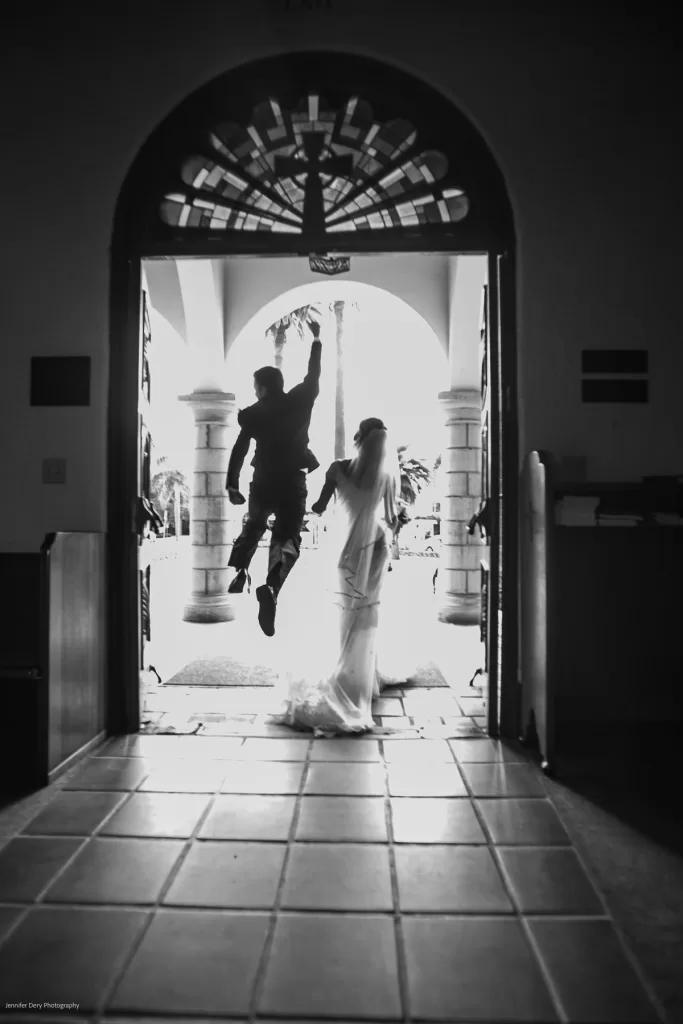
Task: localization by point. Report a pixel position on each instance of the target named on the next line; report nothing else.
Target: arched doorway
(312, 154)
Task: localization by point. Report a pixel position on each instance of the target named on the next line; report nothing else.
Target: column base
(209, 608)
(460, 609)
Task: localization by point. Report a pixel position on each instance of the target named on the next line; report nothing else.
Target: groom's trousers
(285, 496)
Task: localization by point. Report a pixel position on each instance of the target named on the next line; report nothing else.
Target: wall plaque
(60, 380)
(618, 390)
(614, 360)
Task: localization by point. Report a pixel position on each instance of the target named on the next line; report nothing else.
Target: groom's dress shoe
(265, 596)
(237, 585)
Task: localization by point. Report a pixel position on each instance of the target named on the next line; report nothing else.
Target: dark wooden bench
(23, 684)
(52, 662)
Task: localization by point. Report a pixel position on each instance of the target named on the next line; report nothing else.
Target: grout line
(517, 912)
(153, 909)
(264, 959)
(621, 937)
(545, 972)
(21, 917)
(401, 957)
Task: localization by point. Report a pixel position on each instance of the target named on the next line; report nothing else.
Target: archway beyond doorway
(485, 225)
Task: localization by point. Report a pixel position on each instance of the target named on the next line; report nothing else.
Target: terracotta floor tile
(217, 978)
(160, 815)
(426, 780)
(161, 748)
(118, 773)
(527, 822)
(342, 962)
(420, 752)
(333, 877)
(591, 973)
(342, 819)
(391, 706)
(229, 875)
(258, 749)
(450, 879)
(186, 776)
(8, 916)
(117, 871)
(345, 749)
(549, 881)
(65, 955)
(263, 777)
(29, 863)
(390, 722)
(75, 813)
(345, 778)
(238, 816)
(473, 969)
(485, 749)
(502, 780)
(435, 820)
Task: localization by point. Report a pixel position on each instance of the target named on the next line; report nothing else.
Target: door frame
(125, 356)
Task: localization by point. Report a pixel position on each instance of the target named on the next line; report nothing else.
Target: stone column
(459, 572)
(213, 521)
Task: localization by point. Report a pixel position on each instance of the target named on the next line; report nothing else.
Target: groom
(279, 423)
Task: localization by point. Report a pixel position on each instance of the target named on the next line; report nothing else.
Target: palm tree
(415, 474)
(338, 309)
(165, 484)
(298, 318)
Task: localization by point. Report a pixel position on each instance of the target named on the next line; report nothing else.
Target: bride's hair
(366, 427)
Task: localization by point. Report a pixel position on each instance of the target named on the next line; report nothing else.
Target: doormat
(185, 729)
(427, 675)
(223, 671)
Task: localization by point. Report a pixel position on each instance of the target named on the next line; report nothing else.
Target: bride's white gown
(329, 650)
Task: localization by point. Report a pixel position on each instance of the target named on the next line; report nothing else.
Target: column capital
(210, 406)
(461, 404)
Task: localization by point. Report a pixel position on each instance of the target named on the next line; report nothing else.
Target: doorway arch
(421, 359)
(350, 155)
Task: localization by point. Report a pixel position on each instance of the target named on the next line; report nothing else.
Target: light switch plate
(54, 471)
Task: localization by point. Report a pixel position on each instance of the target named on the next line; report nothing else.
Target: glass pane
(372, 174)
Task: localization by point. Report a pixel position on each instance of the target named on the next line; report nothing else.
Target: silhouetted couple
(331, 674)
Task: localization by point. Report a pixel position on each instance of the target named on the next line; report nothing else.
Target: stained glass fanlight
(314, 171)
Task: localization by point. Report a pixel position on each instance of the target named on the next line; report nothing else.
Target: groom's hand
(317, 509)
(315, 329)
(235, 496)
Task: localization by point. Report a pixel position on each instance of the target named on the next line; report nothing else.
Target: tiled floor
(261, 877)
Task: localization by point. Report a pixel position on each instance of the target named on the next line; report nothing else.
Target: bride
(331, 673)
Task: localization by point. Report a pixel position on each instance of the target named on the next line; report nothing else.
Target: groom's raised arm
(310, 385)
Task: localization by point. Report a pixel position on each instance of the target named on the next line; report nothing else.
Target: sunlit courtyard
(232, 668)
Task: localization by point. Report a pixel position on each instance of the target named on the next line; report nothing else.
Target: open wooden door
(498, 512)
(537, 561)
(147, 517)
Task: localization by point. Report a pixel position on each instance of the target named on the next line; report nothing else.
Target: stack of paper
(614, 519)
(576, 510)
(668, 519)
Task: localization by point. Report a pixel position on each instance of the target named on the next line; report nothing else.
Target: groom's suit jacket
(279, 424)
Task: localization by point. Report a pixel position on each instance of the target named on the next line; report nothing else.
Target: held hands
(235, 497)
(314, 328)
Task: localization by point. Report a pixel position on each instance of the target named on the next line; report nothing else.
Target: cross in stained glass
(313, 167)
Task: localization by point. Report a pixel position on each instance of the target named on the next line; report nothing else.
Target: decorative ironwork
(314, 171)
(329, 264)
(484, 343)
(146, 385)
